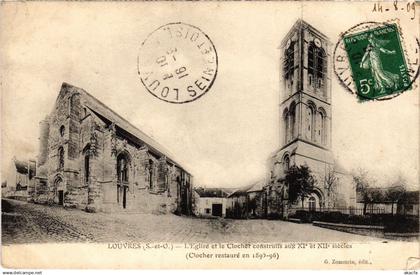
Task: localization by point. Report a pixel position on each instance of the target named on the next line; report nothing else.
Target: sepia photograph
(210, 135)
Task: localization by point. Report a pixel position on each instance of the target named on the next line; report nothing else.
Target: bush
(306, 216)
(5, 206)
(392, 223)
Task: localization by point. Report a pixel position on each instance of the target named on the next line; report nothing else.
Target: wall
(201, 204)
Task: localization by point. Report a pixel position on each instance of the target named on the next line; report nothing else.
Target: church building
(93, 159)
(305, 124)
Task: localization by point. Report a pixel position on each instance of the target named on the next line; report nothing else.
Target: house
(21, 174)
(247, 202)
(210, 202)
(388, 200)
(409, 204)
(91, 158)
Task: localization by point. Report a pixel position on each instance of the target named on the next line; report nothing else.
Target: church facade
(305, 125)
(93, 159)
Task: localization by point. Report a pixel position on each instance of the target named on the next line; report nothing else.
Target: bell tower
(305, 106)
(305, 97)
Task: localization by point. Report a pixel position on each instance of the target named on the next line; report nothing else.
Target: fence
(344, 210)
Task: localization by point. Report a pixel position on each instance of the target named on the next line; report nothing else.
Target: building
(395, 200)
(93, 159)
(247, 202)
(305, 123)
(21, 174)
(210, 202)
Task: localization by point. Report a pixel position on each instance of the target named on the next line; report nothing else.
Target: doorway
(61, 197)
(217, 209)
(124, 196)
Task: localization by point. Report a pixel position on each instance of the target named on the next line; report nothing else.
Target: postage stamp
(376, 65)
(177, 63)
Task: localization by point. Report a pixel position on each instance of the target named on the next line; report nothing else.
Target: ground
(30, 223)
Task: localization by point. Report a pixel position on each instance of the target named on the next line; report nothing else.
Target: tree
(331, 180)
(363, 182)
(397, 191)
(300, 182)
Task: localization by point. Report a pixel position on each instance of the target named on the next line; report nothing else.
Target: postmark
(372, 61)
(177, 63)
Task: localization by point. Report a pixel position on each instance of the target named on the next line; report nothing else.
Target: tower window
(322, 126)
(310, 121)
(286, 126)
(289, 61)
(60, 158)
(62, 130)
(319, 82)
(292, 117)
(316, 65)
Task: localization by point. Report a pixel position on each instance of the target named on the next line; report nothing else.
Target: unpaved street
(30, 223)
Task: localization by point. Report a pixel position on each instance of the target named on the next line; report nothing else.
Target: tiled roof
(22, 166)
(253, 187)
(212, 192)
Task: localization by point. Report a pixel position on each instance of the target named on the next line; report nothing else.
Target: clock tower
(304, 115)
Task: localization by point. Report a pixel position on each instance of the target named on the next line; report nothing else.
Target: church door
(124, 196)
(61, 197)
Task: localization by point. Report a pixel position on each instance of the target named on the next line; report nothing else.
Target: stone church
(93, 159)
(305, 124)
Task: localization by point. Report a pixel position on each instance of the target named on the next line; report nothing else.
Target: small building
(409, 205)
(210, 202)
(21, 174)
(388, 200)
(247, 202)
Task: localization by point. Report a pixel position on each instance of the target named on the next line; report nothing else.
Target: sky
(226, 136)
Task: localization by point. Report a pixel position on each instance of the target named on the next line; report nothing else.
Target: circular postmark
(376, 61)
(177, 63)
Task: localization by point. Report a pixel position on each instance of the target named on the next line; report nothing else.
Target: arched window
(60, 158)
(62, 130)
(150, 174)
(122, 168)
(289, 61)
(311, 60)
(316, 65)
(320, 58)
(310, 121)
(286, 126)
(322, 131)
(292, 117)
(286, 163)
(87, 167)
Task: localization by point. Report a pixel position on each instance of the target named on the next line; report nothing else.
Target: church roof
(106, 113)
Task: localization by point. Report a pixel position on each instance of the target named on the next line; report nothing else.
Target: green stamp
(377, 62)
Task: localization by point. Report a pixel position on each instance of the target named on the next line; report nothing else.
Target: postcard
(253, 135)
